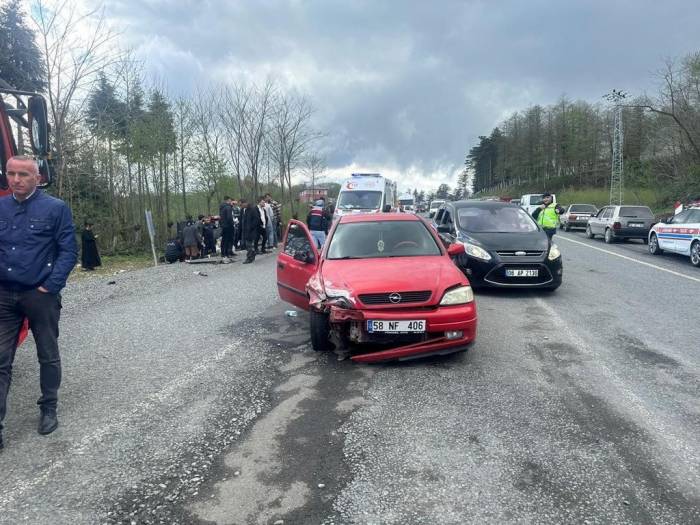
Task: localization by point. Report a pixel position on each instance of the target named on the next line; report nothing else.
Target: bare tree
(75, 47)
(313, 168)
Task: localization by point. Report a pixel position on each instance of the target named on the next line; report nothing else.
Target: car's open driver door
(296, 263)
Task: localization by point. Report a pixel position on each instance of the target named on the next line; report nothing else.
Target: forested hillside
(569, 144)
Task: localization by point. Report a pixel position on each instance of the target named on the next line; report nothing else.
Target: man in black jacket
(227, 227)
(251, 229)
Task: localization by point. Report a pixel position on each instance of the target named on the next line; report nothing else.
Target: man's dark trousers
(250, 255)
(227, 241)
(43, 311)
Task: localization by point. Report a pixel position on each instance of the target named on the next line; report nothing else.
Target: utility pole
(616, 98)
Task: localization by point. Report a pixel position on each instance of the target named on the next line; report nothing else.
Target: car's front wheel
(609, 236)
(654, 245)
(695, 254)
(589, 232)
(320, 329)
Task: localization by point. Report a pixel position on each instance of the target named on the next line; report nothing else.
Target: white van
(407, 203)
(532, 201)
(366, 193)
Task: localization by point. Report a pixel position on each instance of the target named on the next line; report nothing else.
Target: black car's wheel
(609, 236)
(695, 254)
(320, 331)
(654, 245)
(589, 232)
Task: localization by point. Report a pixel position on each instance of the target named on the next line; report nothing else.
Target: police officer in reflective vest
(547, 215)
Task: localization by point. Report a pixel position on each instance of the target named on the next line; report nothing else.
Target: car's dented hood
(398, 274)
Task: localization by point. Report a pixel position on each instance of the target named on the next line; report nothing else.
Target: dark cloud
(410, 85)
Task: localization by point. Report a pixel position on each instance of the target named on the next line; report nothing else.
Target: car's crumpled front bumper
(438, 321)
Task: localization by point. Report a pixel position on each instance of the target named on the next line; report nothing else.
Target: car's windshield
(379, 239)
(535, 200)
(497, 219)
(641, 212)
(436, 204)
(582, 208)
(360, 200)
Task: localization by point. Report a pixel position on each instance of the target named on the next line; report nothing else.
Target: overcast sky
(406, 87)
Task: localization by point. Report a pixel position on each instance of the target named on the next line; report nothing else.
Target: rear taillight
(617, 226)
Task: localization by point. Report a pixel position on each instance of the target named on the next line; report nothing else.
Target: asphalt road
(191, 399)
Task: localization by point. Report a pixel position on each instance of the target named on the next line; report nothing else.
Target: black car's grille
(520, 253)
(395, 297)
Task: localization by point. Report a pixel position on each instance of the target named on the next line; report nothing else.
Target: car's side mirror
(455, 249)
(444, 228)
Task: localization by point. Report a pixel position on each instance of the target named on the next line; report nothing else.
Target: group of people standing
(255, 227)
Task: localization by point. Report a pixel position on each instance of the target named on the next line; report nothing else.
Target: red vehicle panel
(398, 303)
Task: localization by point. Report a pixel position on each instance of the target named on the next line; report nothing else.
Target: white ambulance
(366, 193)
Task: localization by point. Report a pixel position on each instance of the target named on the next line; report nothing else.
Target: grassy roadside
(112, 264)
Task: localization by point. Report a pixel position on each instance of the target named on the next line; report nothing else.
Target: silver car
(621, 223)
(576, 216)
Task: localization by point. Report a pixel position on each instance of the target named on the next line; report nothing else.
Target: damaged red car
(383, 285)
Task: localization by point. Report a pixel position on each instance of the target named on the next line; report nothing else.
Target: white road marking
(678, 274)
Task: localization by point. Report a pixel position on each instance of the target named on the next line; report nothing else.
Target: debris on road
(291, 313)
(201, 274)
(111, 282)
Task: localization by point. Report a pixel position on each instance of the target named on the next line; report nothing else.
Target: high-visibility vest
(548, 218)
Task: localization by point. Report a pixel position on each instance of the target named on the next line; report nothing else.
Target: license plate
(635, 225)
(521, 273)
(396, 326)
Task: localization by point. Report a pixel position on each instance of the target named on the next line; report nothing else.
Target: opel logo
(520, 254)
(395, 298)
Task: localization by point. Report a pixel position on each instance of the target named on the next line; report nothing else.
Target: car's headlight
(460, 295)
(554, 253)
(476, 252)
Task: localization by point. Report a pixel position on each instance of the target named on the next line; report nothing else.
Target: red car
(381, 279)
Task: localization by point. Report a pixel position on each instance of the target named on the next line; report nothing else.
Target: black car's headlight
(554, 253)
(477, 252)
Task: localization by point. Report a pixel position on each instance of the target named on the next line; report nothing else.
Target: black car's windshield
(497, 219)
(583, 208)
(641, 212)
(360, 200)
(365, 240)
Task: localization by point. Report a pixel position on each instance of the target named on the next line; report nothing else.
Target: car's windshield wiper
(346, 257)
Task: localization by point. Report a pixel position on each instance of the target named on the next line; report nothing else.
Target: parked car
(504, 246)
(576, 216)
(615, 223)
(678, 234)
(434, 207)
(531, 201)
(384, 280)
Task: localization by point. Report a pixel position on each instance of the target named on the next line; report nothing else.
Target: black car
(504, 246)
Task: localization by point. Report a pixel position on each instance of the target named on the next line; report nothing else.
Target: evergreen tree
(21, 63)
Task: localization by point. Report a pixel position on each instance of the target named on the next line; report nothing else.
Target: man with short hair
(227, 226)
(261, 240)
(547, 215)
(251, 229)
(38, 250)
(318, 222)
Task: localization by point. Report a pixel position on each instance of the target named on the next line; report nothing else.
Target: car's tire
(320, 329)
(589, 233)
(654, 245)
(567, 228)
(609, 236)
(695, 254)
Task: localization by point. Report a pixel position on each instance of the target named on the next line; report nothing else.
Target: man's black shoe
(48, 422)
